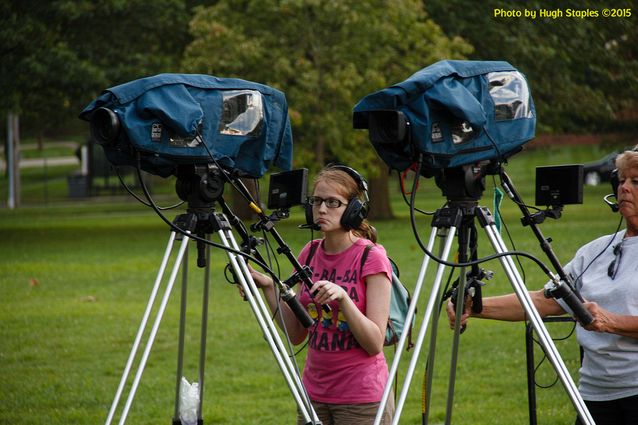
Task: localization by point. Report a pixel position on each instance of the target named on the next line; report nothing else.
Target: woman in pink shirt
(345, 371)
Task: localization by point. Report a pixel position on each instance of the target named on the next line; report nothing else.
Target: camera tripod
(202, 220)
(459, 215)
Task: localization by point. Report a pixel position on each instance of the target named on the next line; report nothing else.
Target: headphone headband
(361, 182)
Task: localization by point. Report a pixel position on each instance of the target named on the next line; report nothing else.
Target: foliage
(58, 55)
(325, 55)
(582, 71)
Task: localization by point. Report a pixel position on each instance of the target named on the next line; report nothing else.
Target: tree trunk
(380, 194)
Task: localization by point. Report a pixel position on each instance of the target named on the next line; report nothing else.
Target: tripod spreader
(472, 288)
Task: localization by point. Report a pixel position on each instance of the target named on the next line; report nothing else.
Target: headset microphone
(612, 205)
(313, 226)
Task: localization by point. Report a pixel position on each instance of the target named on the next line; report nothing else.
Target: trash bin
(78, 186)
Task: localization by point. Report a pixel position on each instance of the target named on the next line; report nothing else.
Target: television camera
(208, 131)
(170, 120)
(458, 121)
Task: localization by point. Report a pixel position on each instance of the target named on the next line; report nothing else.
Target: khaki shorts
(350, 414)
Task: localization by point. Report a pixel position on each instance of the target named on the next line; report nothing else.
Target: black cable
(602, 251)
(542, 360)
(509, 236)
(134, 195)
(405, 199)
(177, 229)
(469, 263)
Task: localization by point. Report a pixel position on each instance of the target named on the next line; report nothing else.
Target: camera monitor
(287, 189)
(170, 120)
(559, 185)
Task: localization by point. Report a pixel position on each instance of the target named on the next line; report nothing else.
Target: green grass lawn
(75, 279)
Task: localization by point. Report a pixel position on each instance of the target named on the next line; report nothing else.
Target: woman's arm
(507, 307)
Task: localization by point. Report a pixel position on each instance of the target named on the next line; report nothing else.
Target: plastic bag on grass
(188, 402)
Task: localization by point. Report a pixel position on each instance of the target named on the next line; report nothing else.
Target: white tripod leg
(270, 332)
(154, 329)
(140, 331)
(422, 331)
(409, 321)
(537, 322)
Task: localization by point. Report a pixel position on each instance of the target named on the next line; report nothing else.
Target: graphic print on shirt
(334, 333)
(312, 311)
(326, 319)
(342, 325)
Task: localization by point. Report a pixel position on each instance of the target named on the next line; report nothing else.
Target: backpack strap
(313, 249)
(364, 257)
(396, 284)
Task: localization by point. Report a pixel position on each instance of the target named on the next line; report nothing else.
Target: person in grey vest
(606, 275)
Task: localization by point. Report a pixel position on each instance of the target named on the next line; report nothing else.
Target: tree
(582, 70)
(57, 56)
(325, 55)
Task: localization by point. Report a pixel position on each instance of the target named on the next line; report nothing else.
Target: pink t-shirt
(337, 369)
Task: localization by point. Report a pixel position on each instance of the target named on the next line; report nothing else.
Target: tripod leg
(531, 390)
(409, 321)
(429, 367)
(204, 333)
(270, 333)
(154, 330)
(182, 332)
(142, 327)
(460, 304)
(456, 339)
(537, 322)
(419, 342)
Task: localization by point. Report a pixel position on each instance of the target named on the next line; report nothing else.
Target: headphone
(356, 211)
(614, 180)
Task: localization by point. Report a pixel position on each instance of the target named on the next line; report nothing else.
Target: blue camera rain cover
(459, 112)
(175, 119)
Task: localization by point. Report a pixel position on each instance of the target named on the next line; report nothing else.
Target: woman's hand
(262, 281)
(327, 291)
(604, 320)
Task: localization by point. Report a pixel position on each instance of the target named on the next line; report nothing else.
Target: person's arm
(507, 307)
(369, 328)
(294, 328)
(606, 321)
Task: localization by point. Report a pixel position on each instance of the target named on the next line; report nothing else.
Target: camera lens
(105, 126)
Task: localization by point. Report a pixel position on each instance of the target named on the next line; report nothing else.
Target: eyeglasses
(316, 201)
(615, 264)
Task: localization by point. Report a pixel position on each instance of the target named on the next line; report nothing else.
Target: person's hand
(327, 291)
(603, 319)
(451, 312)
(261, 280)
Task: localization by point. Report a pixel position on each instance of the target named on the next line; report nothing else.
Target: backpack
(399, 300)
